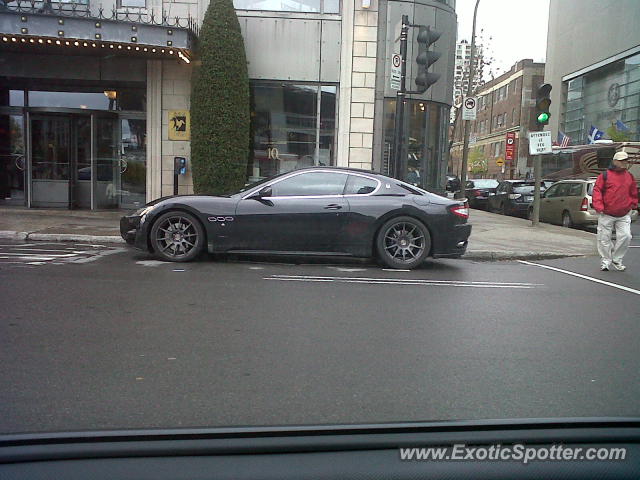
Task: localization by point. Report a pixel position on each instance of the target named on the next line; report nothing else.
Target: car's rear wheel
(403, 242)
(177, 237)
(566, 219)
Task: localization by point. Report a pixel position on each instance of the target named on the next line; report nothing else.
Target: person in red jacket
(614, 196)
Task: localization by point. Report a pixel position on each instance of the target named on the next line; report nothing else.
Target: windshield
(399, 269)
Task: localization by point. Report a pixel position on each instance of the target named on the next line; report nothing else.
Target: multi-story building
(505, 104)
(95, 97)
(462, 70)
(593, 65)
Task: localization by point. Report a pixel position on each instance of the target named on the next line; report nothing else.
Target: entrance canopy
(78, 28)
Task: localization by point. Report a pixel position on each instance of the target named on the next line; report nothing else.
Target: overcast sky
(518, 29)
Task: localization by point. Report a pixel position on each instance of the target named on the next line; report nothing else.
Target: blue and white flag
(621, 127)
(595, 134)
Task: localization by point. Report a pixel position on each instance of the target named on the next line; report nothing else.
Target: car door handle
(333, 206)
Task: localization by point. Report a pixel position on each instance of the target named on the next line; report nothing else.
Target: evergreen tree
(220, 104)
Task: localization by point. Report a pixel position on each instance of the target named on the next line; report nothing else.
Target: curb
(59, 237)
(487, 256)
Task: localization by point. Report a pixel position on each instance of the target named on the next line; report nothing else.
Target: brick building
(505, 104)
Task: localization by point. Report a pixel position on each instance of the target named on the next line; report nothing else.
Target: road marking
(150, 263)
(394, 270)
(585, 277)
(395, 281)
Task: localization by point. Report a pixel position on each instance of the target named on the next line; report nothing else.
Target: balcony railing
(82, 9)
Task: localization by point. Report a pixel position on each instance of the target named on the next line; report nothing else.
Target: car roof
(340, 169)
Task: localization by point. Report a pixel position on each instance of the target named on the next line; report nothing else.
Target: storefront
(73, 149)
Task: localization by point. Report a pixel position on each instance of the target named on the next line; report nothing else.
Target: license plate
(529, 198)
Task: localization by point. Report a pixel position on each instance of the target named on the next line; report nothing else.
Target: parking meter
(179, 168)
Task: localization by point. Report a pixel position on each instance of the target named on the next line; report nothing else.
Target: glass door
(107, 162)
(133, 163)
(50, 161)
(12, 163)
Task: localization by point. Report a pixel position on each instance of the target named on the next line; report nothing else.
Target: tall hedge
(220, 114)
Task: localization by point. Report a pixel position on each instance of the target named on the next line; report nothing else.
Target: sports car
(313, 211)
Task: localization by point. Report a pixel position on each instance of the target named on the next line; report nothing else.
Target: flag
(594, 134)
(621, 127)
(563, 140)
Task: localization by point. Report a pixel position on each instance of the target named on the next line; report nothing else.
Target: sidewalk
(493, 237)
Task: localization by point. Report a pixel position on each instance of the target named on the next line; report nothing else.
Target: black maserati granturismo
(314, 211)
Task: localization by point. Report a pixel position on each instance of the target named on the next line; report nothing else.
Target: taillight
(476, 193)
(461, 210)
(585, 205)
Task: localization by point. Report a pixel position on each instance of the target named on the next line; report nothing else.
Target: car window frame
(252, 192)
(355, 174)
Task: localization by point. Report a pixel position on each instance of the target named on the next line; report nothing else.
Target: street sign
(500, 161)
(396, 71)
(469, 108)
(473, 139)
(539, 142)
(510, 148)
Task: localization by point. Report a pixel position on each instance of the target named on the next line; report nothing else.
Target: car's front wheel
(403, 242)
(177, 237)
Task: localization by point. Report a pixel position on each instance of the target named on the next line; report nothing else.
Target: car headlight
(142, 212)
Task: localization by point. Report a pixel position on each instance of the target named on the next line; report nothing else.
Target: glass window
(563, 190)
(357, 185)
(551, 191)
(523, 188)
(332, 6)
(575, 190)
(12, 161)
(11, 98)
(287, 129)
(133, 99)
(132, 3)
(312, 183)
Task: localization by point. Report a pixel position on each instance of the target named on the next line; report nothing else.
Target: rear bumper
(585, 218)
(457, 243)
(519, 209)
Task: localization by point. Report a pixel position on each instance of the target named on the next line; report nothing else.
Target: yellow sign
(179, 125)
(500, 161)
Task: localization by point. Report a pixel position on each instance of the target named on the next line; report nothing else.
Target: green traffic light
(543, 118)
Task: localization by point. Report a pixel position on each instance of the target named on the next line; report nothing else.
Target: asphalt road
(110, 338)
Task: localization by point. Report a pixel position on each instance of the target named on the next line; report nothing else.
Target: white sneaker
(604, 266)
(619, 266)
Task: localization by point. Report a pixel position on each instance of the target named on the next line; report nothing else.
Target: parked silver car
(569, 203)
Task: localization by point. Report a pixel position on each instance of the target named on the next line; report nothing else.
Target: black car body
(313, 211)
(478, 191)
(512, 197)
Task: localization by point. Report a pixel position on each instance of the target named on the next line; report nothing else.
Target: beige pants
(609, 252)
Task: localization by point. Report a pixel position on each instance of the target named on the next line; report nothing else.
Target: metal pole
(398, 135)
(465, 148)
(537, 167)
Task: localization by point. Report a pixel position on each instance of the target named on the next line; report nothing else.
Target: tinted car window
(357, 185)
(312, 183)
(563, 189)
(590, 188)
(552, 192)
(575, 189)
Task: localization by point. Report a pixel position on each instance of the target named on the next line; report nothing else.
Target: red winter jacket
(620, 193)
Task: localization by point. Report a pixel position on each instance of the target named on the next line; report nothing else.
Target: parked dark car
(512, 197)
(478, 191)
(320, 210)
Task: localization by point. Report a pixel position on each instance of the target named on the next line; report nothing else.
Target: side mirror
(265, 192)
(262, 193)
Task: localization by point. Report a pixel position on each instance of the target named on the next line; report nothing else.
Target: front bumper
(457, 244)
(132, 231)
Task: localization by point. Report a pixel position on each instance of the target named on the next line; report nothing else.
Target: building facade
(593, 65)
(95, 98)
(505, 104)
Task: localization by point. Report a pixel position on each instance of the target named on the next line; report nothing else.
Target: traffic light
(543, 103)
(425, 58)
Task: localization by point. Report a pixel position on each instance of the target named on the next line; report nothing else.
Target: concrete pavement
(494, 237)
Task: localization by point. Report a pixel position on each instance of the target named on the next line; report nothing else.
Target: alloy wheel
(404, 242)
(176, 236)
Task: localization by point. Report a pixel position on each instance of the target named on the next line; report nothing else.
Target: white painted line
(388, 282)
(634, 246)
(53, 255)
(398, 280)
(394, 270)
(256, 268)
(39, 250)
(150, 263)
(585, 277)
(22, 245)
